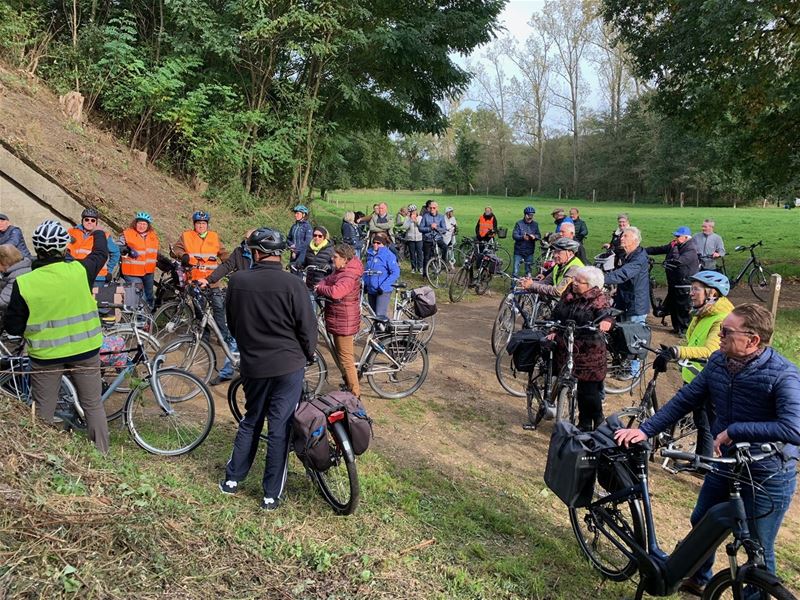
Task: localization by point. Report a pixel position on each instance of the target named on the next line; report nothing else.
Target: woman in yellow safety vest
(709, 307)
(139, 249)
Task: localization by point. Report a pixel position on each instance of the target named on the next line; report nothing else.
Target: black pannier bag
(359, 425)
(625, 334)
(615, 465)
(424, 299)
(571, 465)
(525, 347)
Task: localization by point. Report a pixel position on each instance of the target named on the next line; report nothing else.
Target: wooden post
(594, 196)
(559, 193)
(487, 190)
(506, 192)
(774, 293)
(530, 195)
(634, 197)
(697, 198)
(682, 198)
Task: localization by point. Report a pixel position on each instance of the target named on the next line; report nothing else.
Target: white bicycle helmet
(50, 238)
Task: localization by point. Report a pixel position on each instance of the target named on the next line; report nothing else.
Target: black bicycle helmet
(565, 243)
(268, 241)
(92, 213)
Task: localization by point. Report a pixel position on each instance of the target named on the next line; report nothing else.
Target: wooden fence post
(594, 196)
(682, 198)
(774, 293)
(559, 193)
(634, 197)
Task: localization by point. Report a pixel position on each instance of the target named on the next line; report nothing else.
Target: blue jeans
(636, 364)
(528, 264)
(146, 283)
(779, 485)
(226, 372)
(380, 304)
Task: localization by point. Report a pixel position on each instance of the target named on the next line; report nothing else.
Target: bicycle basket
(623, 336)
(525, 347)
(604, 261)
(502, 232)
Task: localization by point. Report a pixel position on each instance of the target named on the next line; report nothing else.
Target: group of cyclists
(745, 392)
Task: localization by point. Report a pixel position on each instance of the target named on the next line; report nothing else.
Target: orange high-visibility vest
(485, 225)
(146, 247)
(82, 246)
(201, 252)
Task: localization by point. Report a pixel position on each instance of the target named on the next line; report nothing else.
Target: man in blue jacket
(756, 392)
(432, 226)
(525, 234)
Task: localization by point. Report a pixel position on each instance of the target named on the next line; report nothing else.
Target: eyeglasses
(726, 331)
(89, 220)
(380, 243)
(317, 235)
(578, 282)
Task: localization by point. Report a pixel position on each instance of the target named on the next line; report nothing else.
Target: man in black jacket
(274, 325)
(681, 263)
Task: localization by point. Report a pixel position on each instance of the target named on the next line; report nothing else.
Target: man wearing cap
(560, 276)
(559, 217)
(680, 264)
(450, 234)
(299, 236)
(581, 230)
(525, 234)
(12, 235)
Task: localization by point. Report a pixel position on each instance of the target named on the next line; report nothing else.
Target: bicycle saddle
(400, 285)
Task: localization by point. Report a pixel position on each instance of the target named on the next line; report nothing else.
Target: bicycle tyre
(173, 319)
(339, 484)
(617, 380)
(484, 279)
(458, 285)
(504, 259)
(755, 578)
(189, 353)
(533, 400)
(598, 546)
(512, 381)
(236, 399)
(758, 283)
(504, 325)
(388, 381)
(436, 272)
(182, 429)
(566, 405)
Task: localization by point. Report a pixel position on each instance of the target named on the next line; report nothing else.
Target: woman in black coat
(320, 255)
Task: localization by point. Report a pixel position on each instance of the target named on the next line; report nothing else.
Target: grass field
(778, 228)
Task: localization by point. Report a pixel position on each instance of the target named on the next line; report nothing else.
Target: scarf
(317, 247)
(737, 365)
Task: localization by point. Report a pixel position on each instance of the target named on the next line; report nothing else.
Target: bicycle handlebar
(750, 247)
(741, 456)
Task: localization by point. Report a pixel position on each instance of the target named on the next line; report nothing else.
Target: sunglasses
(380, 243)
(90, 220)
(317, 235)
(726, 331)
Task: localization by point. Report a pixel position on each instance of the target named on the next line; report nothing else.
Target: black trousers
(273, 399)
(427, 252)
(590, 405)
(678, 303)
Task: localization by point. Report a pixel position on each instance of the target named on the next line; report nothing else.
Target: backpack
(310, 434)
(424, 299)
(359, 425)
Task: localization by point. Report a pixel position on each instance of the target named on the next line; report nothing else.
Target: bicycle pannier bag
(525, 347)
(625, 334)
(112, 351)
(571, 465)
(424, 299)
(310, 435)
(359, 425)
(614, 464)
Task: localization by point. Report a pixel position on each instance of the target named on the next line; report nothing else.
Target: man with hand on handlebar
(756, 392)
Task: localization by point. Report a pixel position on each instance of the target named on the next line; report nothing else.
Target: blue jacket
(523, 247)
(299, 238)
(351, 234)
(426, 229)
(759, 404)
(384, 262)
(633, 283)
(13, 235)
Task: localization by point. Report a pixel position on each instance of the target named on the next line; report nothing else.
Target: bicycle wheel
(436, 270)
(399, 369)
(173, 319)
(537, 409)
(756, 583)
(504, 324)
(484, 279)
(458, 285)
(189, 353)
(115, 402)
(606, 551)
(618, 374)
(236, 399)
(757, 280)
(339, 483)
(406, 311)
(566, 405)
(512, 381)
(176, 427)
(504, 260)
(316, 374)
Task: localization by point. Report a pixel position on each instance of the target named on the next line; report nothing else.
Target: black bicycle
(616, 531)
(753, 268)
(338, 484)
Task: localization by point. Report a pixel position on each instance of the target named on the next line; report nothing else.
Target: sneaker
(690, 586)
(229, 487)
(219, 380)
(270, 503)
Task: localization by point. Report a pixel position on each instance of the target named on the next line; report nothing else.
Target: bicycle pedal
(529, 427)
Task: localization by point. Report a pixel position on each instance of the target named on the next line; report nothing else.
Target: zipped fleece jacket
(761, 403)
(633, 283)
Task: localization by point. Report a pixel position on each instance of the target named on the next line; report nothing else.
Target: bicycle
(402, 310)
(756, 278)
(436, 265)
(480, 265)
(517, 305)
(682, 436)
(616, 531)
(338, 485)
